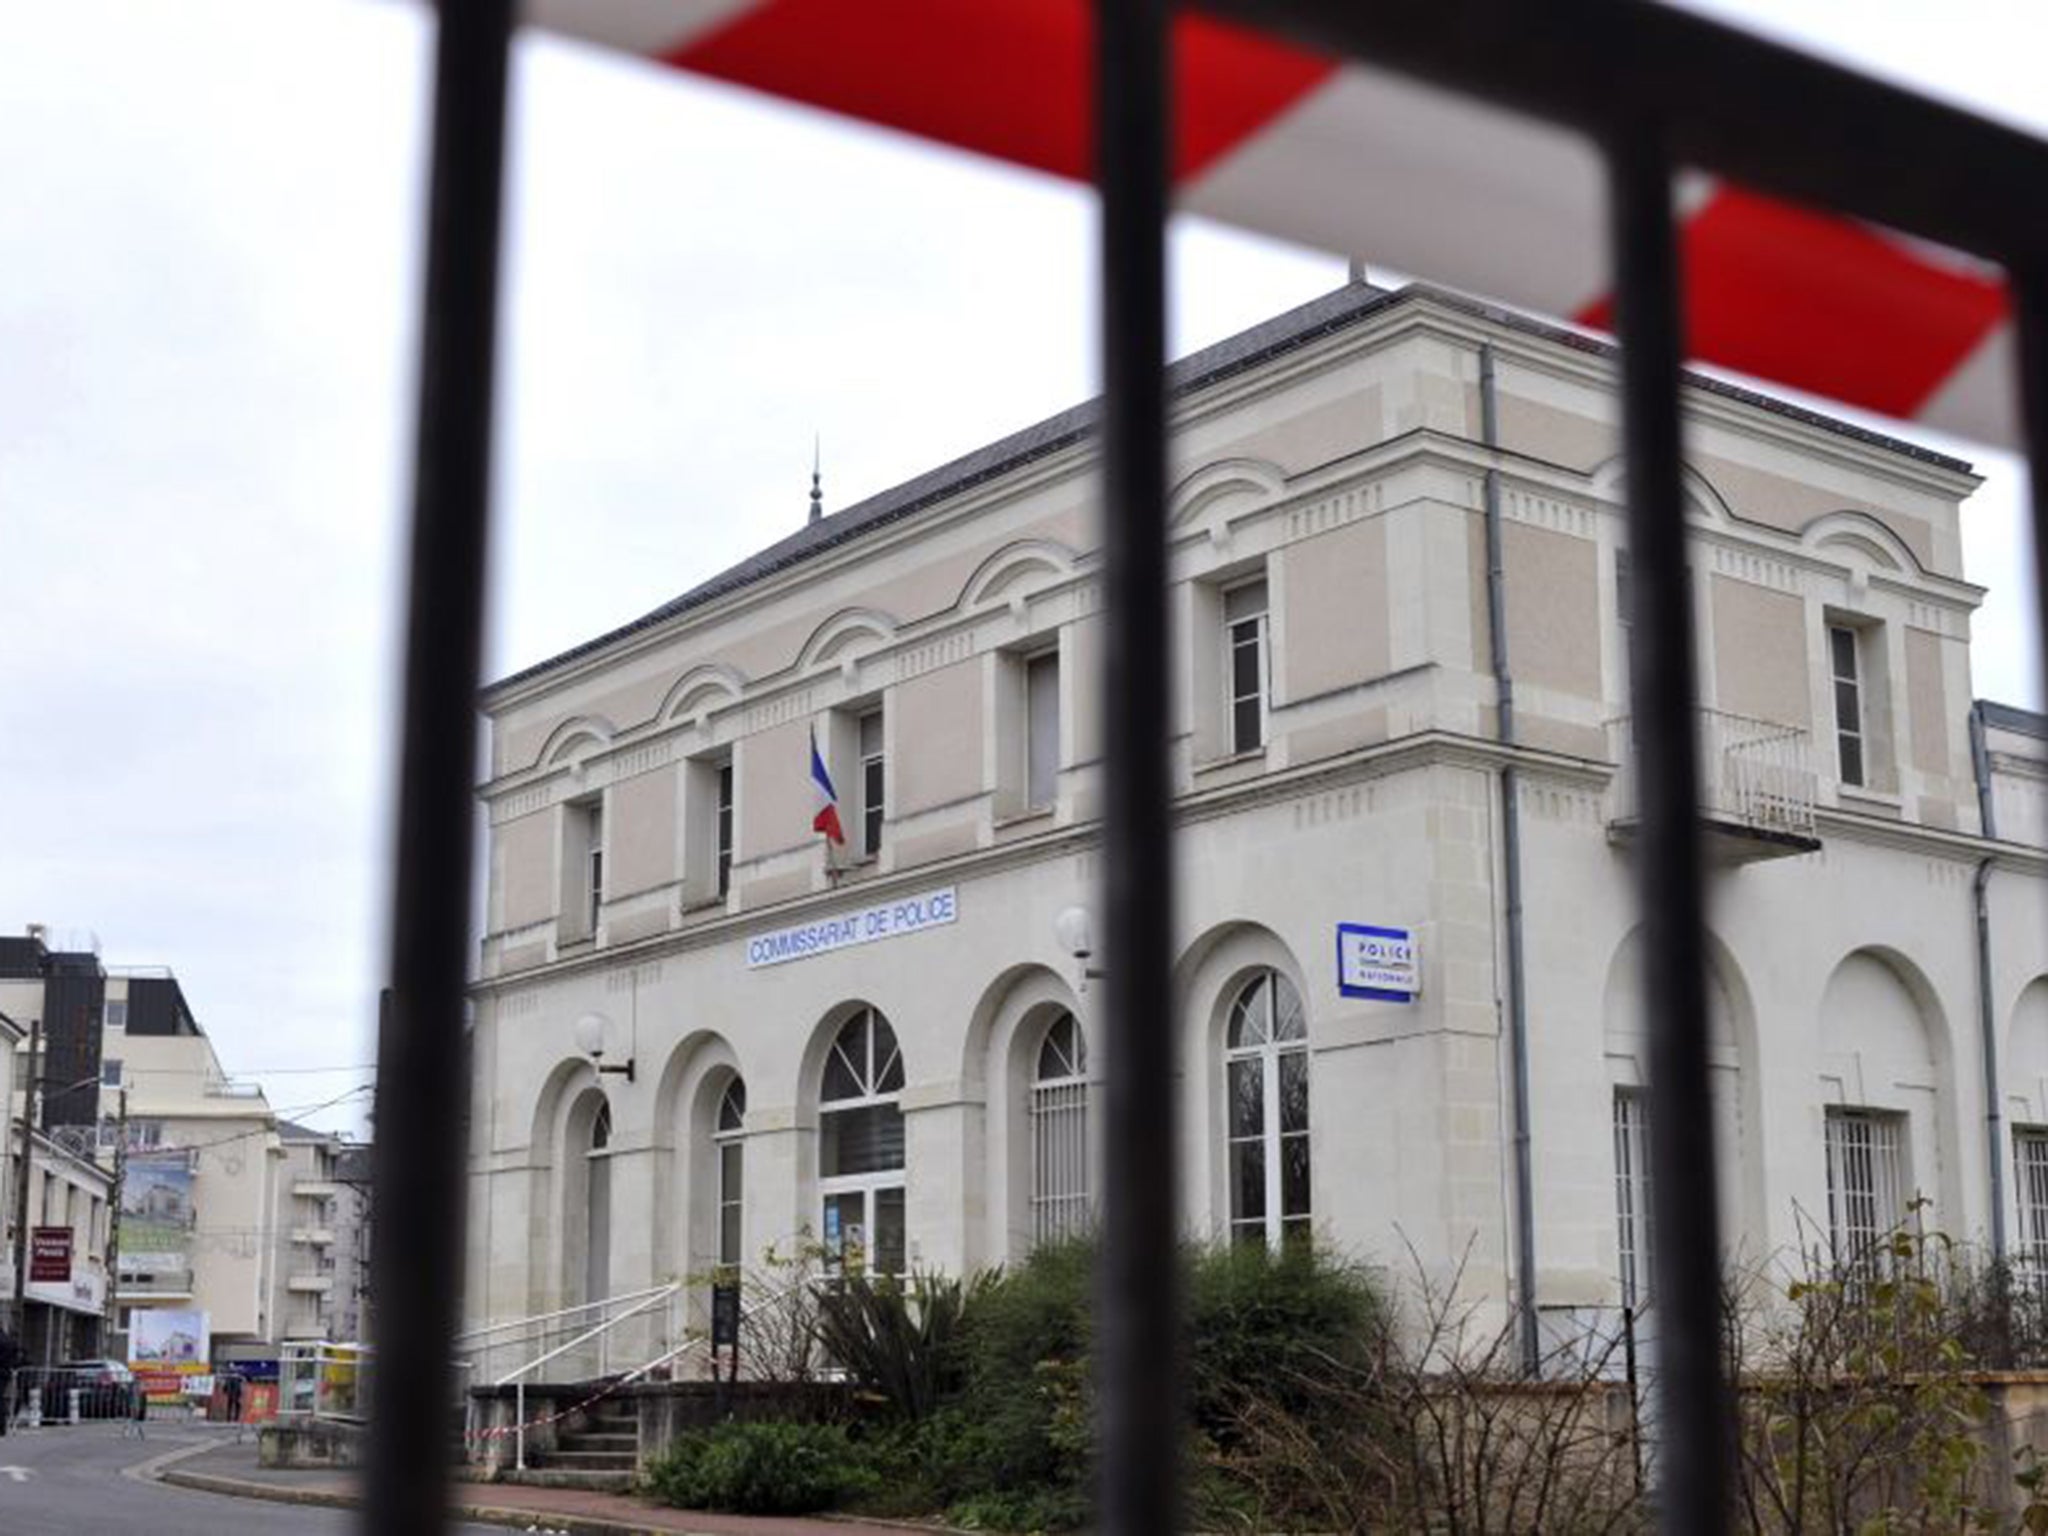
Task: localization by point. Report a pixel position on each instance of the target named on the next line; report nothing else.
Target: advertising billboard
(168, 1339)
(156, 1213)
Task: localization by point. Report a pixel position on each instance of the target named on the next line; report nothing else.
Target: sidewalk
(232, 1469)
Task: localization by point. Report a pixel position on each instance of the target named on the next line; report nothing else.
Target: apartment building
(702, 1027)
(201, 1172)
(323, 1209)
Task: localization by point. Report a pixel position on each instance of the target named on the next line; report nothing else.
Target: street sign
(1379, 963)
(49, 1255)
(725, 1315)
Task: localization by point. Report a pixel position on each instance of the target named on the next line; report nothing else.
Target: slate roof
(1335, 311)
(2010, 717)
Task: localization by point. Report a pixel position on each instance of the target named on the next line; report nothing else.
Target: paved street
(55, 1481)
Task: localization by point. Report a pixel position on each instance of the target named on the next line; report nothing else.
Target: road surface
(82, 1479)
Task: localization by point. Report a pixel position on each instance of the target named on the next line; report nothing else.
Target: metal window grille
(1061, 1205)
(1842, 655)
(1866, 1180)
(2030, 1157)
(1656, 88)
(1634, 1225)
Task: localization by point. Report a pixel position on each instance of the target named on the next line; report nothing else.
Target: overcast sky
(207, 274)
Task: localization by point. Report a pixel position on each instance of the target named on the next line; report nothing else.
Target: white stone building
(653, 868)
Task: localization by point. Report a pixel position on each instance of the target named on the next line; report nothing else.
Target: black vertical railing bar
(421, 1055)
(1694, 1429)
(1138, 1334)
(2028, 281)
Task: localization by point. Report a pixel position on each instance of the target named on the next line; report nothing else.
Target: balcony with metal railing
(1757, 786)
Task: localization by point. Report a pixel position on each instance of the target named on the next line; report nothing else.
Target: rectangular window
(725, 827)
(1866, 1180)
(731, 1167)
(110, 1072)
(593, 881)
(1244, 664)
(1845, 666)
(1041, 730)
(1632, 1193)
(873, 783)
(117, 1014)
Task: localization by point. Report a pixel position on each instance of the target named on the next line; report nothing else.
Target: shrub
(1278, 1327)
(898, 1341)
(760, 1469)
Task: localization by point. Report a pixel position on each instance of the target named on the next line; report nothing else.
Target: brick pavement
(232, 1469)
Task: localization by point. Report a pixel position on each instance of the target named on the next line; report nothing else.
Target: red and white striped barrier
(1376, 165)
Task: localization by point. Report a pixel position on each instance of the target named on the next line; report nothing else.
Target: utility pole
(28, 1120)
(112, 1312)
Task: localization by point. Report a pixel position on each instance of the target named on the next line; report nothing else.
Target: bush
(898, 1341)
(761, 1469)
(1278, 1327)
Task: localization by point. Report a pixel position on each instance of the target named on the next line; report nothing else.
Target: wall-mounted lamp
(1075, 931)
(590, 1031)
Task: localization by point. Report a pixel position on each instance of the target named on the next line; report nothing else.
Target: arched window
(597, 1197)
(1060, 1205)
(1266, 1067)
(860, 1145)
(728, 1141)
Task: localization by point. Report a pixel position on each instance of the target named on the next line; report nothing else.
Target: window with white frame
(1634, 1230)
(1266, 1073)
(117, 1013)
(110, 1072)
(1041, 730)
(728, 1142)
(724, 828)
(1060, 1203)
(597, 1207)
(1845, 664)
(582, 867)
(861, 1145)
(873, 783)
(2030, 1166)
(1245, 664)
(1866, 1179)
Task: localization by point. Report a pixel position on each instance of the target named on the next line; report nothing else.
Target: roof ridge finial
(817, 491)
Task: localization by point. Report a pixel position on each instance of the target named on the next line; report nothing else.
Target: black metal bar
(1764, 114)
(1138, 1351)
(2029, 283)
(421, 1056)
(1695, 1430)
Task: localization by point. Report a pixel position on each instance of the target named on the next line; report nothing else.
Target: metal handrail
(663, 1294)
(690, 1342)
(547, 1317)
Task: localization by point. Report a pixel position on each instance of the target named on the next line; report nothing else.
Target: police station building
(791, 881)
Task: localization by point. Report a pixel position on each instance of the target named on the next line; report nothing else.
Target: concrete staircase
(602, 1454)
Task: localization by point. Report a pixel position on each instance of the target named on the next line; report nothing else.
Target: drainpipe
(1987, 1024)
(1511, 858)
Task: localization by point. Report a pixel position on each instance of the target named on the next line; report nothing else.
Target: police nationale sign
(890, 920)
(1378, 963)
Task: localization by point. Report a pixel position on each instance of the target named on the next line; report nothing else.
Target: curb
(486, 1514)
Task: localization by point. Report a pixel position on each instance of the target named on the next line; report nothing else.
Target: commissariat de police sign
(864, 925)
(1379, 963)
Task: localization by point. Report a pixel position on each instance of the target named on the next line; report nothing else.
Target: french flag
(827, 819)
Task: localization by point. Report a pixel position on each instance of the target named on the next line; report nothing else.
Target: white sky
(207, 274)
